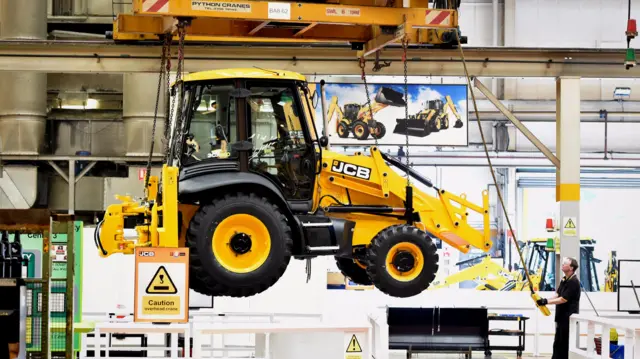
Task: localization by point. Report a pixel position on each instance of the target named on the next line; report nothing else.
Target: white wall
(606, 215)
(572, 23)
(476, 21)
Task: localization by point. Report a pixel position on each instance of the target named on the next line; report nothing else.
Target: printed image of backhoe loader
(433, 118)
(356, 119)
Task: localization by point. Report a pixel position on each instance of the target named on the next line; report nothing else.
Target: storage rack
(520, 333)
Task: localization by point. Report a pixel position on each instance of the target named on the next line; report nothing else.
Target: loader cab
(248, 121)
(435, 104)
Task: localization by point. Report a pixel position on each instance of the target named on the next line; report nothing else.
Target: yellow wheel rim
(359, 130)
(404, 249)
(229, 243)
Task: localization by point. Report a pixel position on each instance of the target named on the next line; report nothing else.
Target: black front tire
(343, 130)
(379, 131)
(351, 269)
(382, 272)
(360, 130)
(212, 277)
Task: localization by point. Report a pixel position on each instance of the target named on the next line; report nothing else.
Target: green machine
(33, 250)
(541, 254)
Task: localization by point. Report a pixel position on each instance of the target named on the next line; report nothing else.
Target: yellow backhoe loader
(433, 118)
(611, 274)
(490, 276)
(278, 193)
(356, 118)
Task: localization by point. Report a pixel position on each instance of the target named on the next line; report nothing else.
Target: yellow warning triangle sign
(354, 345)
(570, 224)
(161, 283)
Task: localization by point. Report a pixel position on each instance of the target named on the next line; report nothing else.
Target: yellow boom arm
(368, 181)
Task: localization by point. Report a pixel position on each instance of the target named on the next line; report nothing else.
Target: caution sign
(161, 283)
(353, 347)
(570, 226)
(162, 286)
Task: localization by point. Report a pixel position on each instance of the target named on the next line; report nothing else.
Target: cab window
(280, 149)
(214, 119)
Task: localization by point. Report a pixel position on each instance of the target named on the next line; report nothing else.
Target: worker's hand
(542, 301)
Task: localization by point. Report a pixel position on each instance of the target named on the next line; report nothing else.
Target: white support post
(568, 173)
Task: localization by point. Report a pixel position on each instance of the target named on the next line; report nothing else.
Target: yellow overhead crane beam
(368, 24)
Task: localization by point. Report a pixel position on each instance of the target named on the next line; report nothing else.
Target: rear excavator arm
(334, 108)
(449, 103)
(367, 190)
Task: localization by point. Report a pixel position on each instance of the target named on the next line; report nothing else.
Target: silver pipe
(72, 187)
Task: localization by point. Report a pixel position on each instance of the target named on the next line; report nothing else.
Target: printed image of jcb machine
(356, 119)
(433, 118)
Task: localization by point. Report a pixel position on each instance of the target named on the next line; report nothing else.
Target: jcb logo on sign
(147, 254)
(350, 169)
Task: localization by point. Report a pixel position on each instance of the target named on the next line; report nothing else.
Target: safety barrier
(628, 348)
(155, 341)
(287, 340)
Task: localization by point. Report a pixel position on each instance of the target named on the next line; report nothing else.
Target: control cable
(534, 295)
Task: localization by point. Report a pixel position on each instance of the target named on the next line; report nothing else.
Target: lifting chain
(167, 100)
(371, 122)
(178, 143)
(165, 66)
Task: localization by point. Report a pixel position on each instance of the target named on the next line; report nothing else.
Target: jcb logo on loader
(351, 170)
(147, 254)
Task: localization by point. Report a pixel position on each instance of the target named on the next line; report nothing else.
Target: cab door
(283, 149)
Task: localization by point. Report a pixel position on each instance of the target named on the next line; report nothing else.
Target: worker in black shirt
(567, 301)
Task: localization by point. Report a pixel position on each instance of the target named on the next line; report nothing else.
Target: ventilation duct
(138, 111)
(23, 103)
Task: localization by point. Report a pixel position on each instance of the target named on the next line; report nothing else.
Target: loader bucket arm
(367, 184)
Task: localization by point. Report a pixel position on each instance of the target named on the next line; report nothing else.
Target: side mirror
(324, 141)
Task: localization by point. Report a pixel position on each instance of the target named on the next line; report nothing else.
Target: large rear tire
(379, 131)
(354, 270)
(240, 245)
(402, 261)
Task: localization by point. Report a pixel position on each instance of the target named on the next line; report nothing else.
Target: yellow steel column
(568, 173)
